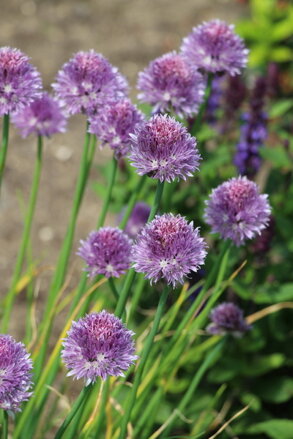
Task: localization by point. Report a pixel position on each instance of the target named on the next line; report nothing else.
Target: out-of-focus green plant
(268, 31)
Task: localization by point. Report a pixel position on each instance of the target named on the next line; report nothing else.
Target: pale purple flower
(236, 210)
(15, 374)
(137, 219)
(227, 318)
(87, 82)
(20, 82)
(168, 248)
(42, 117)
(214, 47)
(163, 149)
(169, 83)
(113, 124)
(106, 251)
(98, 345)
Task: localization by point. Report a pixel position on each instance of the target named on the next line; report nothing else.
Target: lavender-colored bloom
(214, 47)
(15, 374)
(137, 219)
(87, 82)
(253, 132)
(163, 149)
(98, 345)
(227, 318)
(236, 210)
(114, 123)
(42, 117)
(106, 251)
(169, 83)
(168, 248)
(214, 100)
(20, 82)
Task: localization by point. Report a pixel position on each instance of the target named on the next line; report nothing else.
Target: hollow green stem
(156, 203)
(25, 236)
(144, 356)
(78, 403)
(4, 146)
(198, 121)
(5, 425)
(208, 362)
(132, 202)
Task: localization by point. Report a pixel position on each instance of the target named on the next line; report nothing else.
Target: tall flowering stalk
(20, 84)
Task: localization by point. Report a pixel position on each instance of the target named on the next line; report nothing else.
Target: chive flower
(137, 219)
(98, 345)
(214, 47)
(169, 83)
(20, 82)
(237, 211)
(42, 117)
(15, 374)
(168, 248)
(113, 124)
(106, 251)
(227, 318)
(87, 82)
(163, 149)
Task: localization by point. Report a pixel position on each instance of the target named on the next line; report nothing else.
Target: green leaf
(281, 54)
(281, 107)
(277, 156)
(275, 389)
(275, 428)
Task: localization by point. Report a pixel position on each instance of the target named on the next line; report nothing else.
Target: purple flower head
(114, 123)
(87, 82)
(163, 149)
(20, 82)
(214, 47)
(137, 219)
(227, 318)
(98, 345)
(237, 210)
(42, 117)
(15, 374)
(170, 83)
(168, 248)
(106, 251)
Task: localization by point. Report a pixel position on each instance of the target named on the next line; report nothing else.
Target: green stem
(78, 403)
(147, 413)
(144, 356)
(4, 147)
(63, 259)
(112, 285)
(156, 204)
(100, 223)
(132, 202)
(198, 121)
(5, 425)
(208, 362)
(25, 236)
(136, 296)
(101, 418)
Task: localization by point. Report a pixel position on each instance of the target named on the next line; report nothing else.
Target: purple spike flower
(170, 83)
(163, 149)
(106, 251)
(87, 82)
(214, 47)
(20, 82)
(237, 210)
(114, 123)
(42, 117)
(98, 345)
(227, 318)
(137, 219)
(168, 248)
(15, 374)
